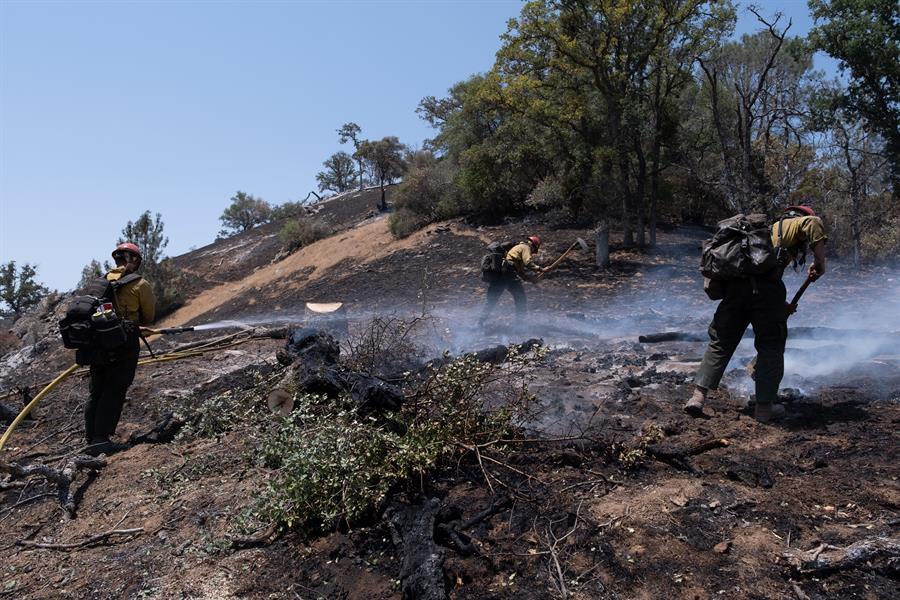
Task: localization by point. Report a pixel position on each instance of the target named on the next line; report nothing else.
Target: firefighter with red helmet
(761, 302)
(134, 303)
(517, 263)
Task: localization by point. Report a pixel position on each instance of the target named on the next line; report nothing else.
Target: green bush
(426, 195)
(405, 222)
(297, 233)
(334, 466)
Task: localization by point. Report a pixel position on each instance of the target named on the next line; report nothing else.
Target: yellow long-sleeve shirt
(796, 231)
(134, 301)
(519, 257)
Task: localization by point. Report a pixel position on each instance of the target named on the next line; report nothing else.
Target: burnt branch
(63, 478)
(827, 558)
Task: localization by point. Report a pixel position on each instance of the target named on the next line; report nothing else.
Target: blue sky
(108, 109)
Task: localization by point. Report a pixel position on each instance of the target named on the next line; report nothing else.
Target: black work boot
(766, 412)
(100, 445)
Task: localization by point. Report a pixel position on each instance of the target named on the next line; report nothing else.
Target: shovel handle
(557, 261)
(800, 291)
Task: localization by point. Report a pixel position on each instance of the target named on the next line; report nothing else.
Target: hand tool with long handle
(578, 242)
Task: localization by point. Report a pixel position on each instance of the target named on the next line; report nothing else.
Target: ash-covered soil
(611, 491)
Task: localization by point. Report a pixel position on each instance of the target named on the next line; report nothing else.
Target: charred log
(680, 457)
(412, 530)
(7, 415)
(796, 333)
(672, 336)
(827, 558)
(162, 433)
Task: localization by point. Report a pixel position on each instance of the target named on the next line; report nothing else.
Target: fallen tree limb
(61, 477)
(454, 531)
(94, 539)
(827, 558)
(665, 451)
(261, 538)
(680, 457)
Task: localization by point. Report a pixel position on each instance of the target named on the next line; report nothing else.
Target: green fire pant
(507, 281)
(765, 310)
(109, 384)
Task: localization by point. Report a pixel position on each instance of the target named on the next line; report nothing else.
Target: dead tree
(744, 70)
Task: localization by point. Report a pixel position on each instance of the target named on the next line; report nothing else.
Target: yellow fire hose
(187, 353)
(21, 416)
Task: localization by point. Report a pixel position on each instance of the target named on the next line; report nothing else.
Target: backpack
(740, 249)
(492, 262)
(90, 325)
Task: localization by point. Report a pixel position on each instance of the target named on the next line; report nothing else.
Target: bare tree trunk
(625, 190)
(640, 194)
(654, 187)
(602, 233)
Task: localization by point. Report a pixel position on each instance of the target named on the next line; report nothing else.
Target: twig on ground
(94, 539)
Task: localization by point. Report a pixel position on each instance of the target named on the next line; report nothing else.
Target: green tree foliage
(384, 159)
(18, 289)
(338, 175)
(91, 271)
(349, 132)
(244, 212)
(581, 93)
(864, 35)
(147, 233)
(495, 155)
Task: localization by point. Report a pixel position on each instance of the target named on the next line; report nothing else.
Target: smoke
(666, 298)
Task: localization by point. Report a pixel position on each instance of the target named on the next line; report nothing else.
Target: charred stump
(412, 531)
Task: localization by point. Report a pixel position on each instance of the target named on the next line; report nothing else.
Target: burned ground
(609, 491)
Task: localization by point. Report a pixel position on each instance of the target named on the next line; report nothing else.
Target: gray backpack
(740, 249)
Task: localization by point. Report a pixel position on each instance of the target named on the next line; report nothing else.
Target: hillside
(608, 490)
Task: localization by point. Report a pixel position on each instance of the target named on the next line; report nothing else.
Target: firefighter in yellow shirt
(517, 264)
(133, 302)
(763, 304)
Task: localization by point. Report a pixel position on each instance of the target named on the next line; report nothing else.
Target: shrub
(297, 233)
(405, 222)
(335, 466)
(427, 194)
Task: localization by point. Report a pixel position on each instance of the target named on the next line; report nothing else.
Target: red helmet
(535, 241)
(128, 247)
(800, 210)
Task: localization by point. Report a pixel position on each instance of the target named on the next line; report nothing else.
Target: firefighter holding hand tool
(760, 301)
(133, 302)
(511, 264)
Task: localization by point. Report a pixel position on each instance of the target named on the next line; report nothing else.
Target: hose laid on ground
(210, 346)
(34, 401)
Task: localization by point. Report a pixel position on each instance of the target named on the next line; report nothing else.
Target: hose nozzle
(165, 330)
(169, 330)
